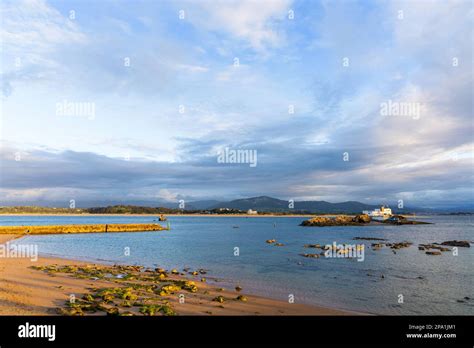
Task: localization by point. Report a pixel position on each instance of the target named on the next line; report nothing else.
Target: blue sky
(139, 147)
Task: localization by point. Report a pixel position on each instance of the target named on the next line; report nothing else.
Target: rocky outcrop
(393, 246)
(457, 243)
(318, 246)
(362, 218)
(318, 221)
(339, 220)
(432, 246)
(433, 253)
(358, 220)
(401, 220)
(343, 219)
(314, 256)
(398, 245)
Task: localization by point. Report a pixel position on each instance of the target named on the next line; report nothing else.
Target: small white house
(379, 214)
(252, 212)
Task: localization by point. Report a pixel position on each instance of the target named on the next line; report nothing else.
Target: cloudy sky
(166, 85)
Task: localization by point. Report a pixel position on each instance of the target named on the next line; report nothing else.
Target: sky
(133, 101)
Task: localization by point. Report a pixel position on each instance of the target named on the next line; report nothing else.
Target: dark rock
(457, 243)
(401, 220)
(433, 246)
(312, 246)
(315, 256)
(399, 245)
(433, 252)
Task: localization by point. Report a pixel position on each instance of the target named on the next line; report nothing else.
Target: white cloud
(248, 20)
(31, 33)
(33, 25)
(167, 195)
(192, 68)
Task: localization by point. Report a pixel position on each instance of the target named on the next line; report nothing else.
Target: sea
(233, 251)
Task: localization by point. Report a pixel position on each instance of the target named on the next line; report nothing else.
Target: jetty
(92, 228)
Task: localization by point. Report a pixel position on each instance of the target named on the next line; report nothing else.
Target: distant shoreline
(199, 215)
(157, 215)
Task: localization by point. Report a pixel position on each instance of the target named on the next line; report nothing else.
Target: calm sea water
(428, 284)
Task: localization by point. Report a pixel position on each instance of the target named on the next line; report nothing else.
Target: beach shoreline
(27, 291)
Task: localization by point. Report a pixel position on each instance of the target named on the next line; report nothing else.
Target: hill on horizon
(270, 204)
(261, 204)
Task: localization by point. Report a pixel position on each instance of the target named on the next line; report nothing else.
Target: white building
(379, 214)
(252, 212)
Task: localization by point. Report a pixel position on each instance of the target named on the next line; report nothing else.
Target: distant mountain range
(270, 204)
(262, 204)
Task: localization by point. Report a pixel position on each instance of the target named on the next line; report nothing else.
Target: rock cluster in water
(457, 243)
(274, 242)
(358, 220)
(340, 220)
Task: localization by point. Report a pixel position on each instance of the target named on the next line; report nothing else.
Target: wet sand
(27, 291)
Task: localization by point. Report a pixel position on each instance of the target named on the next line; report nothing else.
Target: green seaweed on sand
(187, 285)
(156, 309)
(134, 288)
(241, 298)
(219, 299)
(169, 289)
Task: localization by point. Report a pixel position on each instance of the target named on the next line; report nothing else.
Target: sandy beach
(28, 291)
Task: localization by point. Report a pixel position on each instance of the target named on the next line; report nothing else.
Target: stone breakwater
(92, 228)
